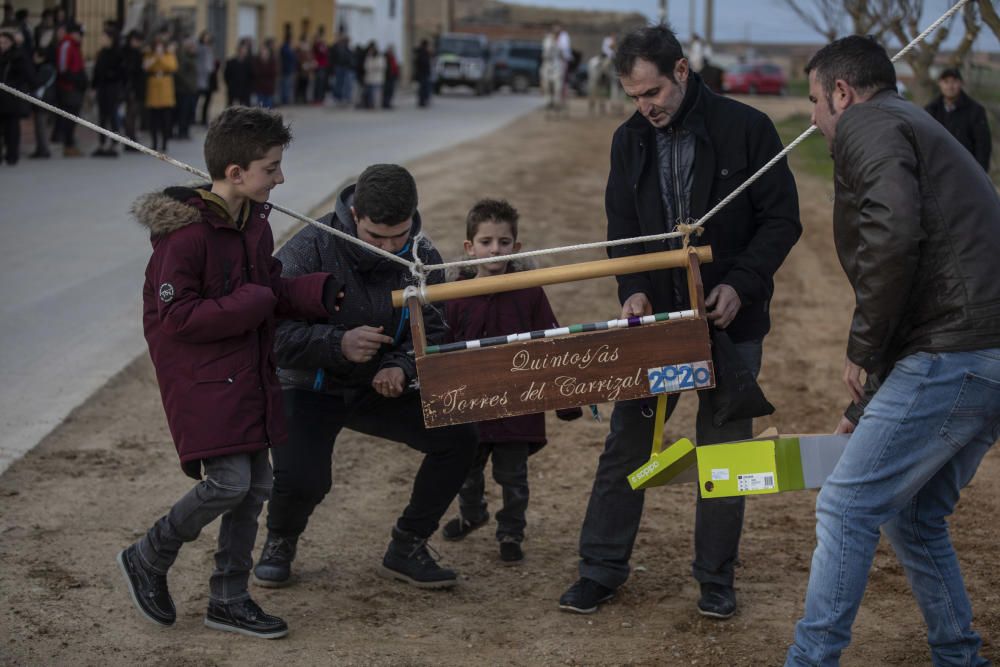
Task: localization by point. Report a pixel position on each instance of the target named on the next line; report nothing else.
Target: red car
(763, 78)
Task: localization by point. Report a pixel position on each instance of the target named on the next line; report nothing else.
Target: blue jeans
(919, 443)
(613, 513)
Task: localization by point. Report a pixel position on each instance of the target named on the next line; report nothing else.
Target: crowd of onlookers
(163, 84)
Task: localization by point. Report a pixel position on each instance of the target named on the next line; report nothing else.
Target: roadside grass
(812, 155)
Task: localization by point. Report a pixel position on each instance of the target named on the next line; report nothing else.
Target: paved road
(72, 260)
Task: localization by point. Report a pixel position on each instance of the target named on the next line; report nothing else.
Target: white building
(378, 20)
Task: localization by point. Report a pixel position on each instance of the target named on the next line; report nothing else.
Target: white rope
(417, 268)
(197, 172)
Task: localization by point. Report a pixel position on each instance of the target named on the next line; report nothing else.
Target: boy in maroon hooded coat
(211, 297)
(491, 231)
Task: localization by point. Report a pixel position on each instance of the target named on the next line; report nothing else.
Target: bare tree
(990, 17)
(827, 17)
(972, 27)
(905, 27)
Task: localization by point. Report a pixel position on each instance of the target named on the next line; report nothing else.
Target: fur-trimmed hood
(167, 211)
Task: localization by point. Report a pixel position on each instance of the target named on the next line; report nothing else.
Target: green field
(812, 155)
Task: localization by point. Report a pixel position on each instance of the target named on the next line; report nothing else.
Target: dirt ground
(109, 471)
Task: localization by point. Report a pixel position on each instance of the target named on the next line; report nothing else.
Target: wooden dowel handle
(667, 259)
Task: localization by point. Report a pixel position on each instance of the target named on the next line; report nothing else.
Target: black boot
(408, 559)
(245, 617)
(459, 527)
(147, 588)
(274, 569)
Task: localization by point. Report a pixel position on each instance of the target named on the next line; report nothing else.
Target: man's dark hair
(656, 43)
(490, 210)
(386, 194)
(860, 61)
(240, 135)
(951, 73)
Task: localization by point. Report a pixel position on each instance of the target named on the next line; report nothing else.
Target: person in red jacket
(491, 231)
(71, 84)
(211, 297)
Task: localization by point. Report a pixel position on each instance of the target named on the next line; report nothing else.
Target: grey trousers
(614, 511)
(235, 487)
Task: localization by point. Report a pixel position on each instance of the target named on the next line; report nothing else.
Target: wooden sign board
(577, 370)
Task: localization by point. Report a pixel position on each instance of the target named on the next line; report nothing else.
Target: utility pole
(709, 21)
(691, 18)
(664, 12)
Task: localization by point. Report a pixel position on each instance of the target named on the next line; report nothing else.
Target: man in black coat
(683, 151)
(964, 117)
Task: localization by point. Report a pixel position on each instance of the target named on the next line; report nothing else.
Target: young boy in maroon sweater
(491, 231)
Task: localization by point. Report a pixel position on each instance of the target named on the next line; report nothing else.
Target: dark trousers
(302, 470)
(133, 113)
(388, 91)
(424, 92)
(187, 104)
(510, 471)
(235, 488)
(10, 131)
(40, 117)
(70, 101)
(614, 510)
(206, 99)
(159, 127)
(108, 99)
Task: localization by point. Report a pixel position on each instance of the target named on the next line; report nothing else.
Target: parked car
(516, 64)
(763, 78)
(463, 59)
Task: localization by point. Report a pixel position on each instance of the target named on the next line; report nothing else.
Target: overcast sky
(760, 20)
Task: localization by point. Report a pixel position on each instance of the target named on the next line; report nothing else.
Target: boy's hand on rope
(361, 344)
(389, 382)
(637, 305)
(845, 426)
(723, 303)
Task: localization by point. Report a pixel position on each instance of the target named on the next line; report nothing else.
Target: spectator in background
(160, 63)
(135, 83)
(8, 16)
(321, 59)
(44, 89)
(343, 70)
(374, 75)
(360, 53)
(265, 74)
(27, 38)
(711, 76)
(45, 31)
(16, 72)
(961, 115)
(208, 73)
(422, 73)
(289, 66)
(239, 75)
(109, 76)
(306, 65)
(186, 87)
(391, 77)
(71, 84)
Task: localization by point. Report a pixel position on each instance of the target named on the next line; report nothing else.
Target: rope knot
(688, 229)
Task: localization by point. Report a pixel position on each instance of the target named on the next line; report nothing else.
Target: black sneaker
(459, 527)
(510, 551)
(274, 569)
(584, 596)
(147, 588)
(717, 601)
(408, 559)
(245, 617)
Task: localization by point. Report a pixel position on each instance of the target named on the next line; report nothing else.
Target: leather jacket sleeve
(877, 168)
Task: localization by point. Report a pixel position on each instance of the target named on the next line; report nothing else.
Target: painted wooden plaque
(578, 370)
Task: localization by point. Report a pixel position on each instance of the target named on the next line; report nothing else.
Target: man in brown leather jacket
(917, 228)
